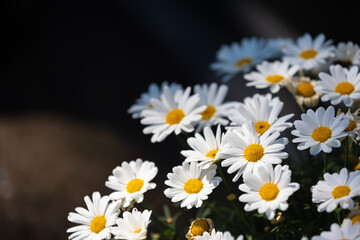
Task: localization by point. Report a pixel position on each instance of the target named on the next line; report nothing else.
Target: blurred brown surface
(48, 163)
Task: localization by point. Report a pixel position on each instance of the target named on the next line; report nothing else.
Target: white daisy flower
(132, 226)
(154, 91)
(309, 53)
(268, 189)
(342, 85)
(320, 130)
(348, 53)
(271, 74)
(277, 46)
(191, 184)
(354, 215)
(217, 235)
(354, 123)
(216, 111)
(198, 227)
(336, 189)
(131, 181)
(345, 231)
(172, 113)
(205, 149)
(240, 57)
(303, 90)
(246, 151)
(263, 111)
(96, 221)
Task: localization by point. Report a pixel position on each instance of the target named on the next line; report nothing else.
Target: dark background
(71, 69)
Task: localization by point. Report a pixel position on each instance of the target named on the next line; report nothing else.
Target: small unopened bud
(231, 197)
(169, 220)
(267, 229)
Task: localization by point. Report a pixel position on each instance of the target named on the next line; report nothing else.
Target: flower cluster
(248, 139)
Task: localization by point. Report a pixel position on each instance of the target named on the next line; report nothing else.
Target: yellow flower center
(174, 116)
(212, 153)
(344, 88)
(305, 89)
(308, 54)
(134, 185)
(137, 230)
(341, 191)
(193, 185)
(208, 112)
(243, 61)
(351, 126)
(355, 218)
(357, 167)
(274, 78)
(269, 191)
(254, 152)
(150, 105)
(321, 134)
(262, 126)
(98, 224)
(199, 227)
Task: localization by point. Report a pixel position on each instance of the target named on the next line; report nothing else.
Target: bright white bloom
(191, 184)
(216, 111)
(131, 181)
(268, 189)
(278, 45)
(132, 226)
(95, 221)
(348, 53)
(336, 189)
(217, 235)
(154, 91)
(271, 74)
(205, 149)
(342, 85)
(172, 113)
(345, 231)
(263, 111)
(240, 57)
(246, 150)
(309, 53)
(320, 130)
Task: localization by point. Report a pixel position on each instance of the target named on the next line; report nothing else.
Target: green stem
(221, 173)
(346, 150)
(217, 212)
(325, 163)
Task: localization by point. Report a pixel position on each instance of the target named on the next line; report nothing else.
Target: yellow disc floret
(275, 78)
(355, 218)
(243, 61)
(199, 226)
(269, 191)
(344, 88)
(174, 116)
(341, 191)
(305, 89)
(308, 54)
(193, 185)
(134, 185)
(212, 153)
(208, 112)
(262, 126)
(351, 126)
(253, 152)
(98, 224)
(321, 134)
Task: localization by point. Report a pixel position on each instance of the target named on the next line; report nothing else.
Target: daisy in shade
(191, 184)
(277, 46)
(304, 92)
(337, 189)
(345, 231)
(354, 123)
(198, 227)
(132, 226)
(172, 113)
(354, 214)
(347, 53)
(217, 235)
(246, 151)
(309, 53)
(263, 111)
(96, 221)
(273, 75)
(320, 130)
(205, 149)
(268, 189)
(240, 57)
(341, 85)
(216, 111)
(131, 181)
(154, 91)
